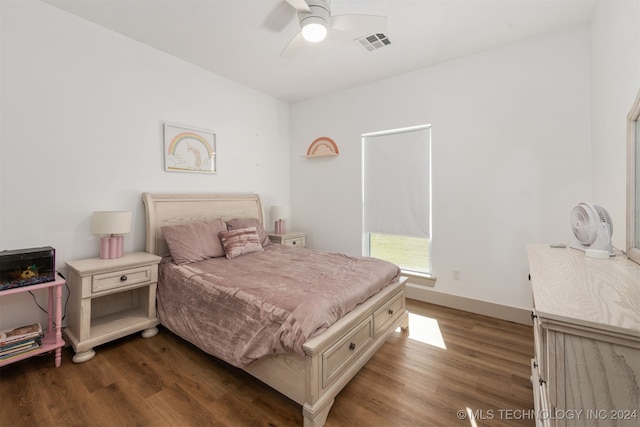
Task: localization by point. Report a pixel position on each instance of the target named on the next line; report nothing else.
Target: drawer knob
(294, 242)
(391, 312)
(352, 346)
(123, 278)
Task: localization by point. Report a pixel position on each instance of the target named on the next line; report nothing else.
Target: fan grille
(583, 225)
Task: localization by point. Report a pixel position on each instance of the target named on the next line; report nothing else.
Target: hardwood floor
(164, 381)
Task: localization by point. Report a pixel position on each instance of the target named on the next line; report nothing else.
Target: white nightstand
(293, 238)
(111, 298)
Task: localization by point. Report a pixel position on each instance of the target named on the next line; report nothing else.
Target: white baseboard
(499, 311)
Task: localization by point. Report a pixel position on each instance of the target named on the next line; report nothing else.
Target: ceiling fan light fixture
(314, 29)
(315, 23)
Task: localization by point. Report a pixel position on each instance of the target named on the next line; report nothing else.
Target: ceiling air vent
(374, 41)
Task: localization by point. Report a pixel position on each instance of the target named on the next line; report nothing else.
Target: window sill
(423, 279)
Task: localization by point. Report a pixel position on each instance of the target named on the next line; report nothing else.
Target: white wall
(615, 69)
(511, 157)
(81, 130)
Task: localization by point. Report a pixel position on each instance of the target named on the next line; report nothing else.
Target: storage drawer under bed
(387, 313)
(337, 357)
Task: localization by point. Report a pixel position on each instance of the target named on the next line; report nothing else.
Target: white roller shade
(396, 182)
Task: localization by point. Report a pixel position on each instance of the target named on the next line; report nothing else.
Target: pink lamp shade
(114, 224)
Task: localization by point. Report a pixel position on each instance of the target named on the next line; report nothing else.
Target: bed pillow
(240, 241)
(237, 223)
(194, 242)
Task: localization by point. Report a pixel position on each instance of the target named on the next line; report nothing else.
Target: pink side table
(53, 335)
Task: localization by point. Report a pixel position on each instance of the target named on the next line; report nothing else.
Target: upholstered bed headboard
(175, 209)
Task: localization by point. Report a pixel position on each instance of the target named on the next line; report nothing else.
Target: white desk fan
(592, 230)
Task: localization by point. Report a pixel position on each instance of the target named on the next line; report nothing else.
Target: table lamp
(114, 224)
(280, 214)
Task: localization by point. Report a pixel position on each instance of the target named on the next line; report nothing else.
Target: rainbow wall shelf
(322, 147)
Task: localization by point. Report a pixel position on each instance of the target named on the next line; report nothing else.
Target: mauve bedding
(267, 302)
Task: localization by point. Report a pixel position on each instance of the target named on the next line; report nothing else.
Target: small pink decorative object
(280, 215)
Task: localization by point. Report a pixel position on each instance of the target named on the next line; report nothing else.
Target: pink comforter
(273, 301)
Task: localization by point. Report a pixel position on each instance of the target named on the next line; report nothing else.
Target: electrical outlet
(456, 274)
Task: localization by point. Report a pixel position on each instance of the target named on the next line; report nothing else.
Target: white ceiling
(243, 39)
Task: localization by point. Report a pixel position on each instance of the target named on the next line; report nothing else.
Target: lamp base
(111, 247)
(281, 226)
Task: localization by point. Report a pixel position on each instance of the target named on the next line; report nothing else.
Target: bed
(316, 363)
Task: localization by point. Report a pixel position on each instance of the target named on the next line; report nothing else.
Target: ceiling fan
(316, 23)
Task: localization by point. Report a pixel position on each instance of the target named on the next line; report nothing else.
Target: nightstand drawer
(120, 278)
(293, 238)
(298, 241)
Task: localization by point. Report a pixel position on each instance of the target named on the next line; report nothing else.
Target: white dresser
(586, 370)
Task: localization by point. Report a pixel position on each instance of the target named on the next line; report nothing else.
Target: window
(396, 191)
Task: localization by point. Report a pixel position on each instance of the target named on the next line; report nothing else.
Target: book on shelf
(20, 349)
(18, 345)
(19, 334)
(19, 353)
(16, 341)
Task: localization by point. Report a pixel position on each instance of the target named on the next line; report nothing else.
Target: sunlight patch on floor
(426, 330)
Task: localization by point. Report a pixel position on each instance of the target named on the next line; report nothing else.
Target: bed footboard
(334, 357)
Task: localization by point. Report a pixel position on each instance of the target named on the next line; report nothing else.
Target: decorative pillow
(240, 241)
(237, 223)
(194, 242)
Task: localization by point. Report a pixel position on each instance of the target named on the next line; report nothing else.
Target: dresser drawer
(121, 278)
(337, 357)
(387, 313)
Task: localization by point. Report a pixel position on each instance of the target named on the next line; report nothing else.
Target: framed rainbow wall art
(188, 149)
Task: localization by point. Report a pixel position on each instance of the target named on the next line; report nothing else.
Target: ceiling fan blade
(359, 25)
(299, 5)
(279, 17)
(296, 44)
